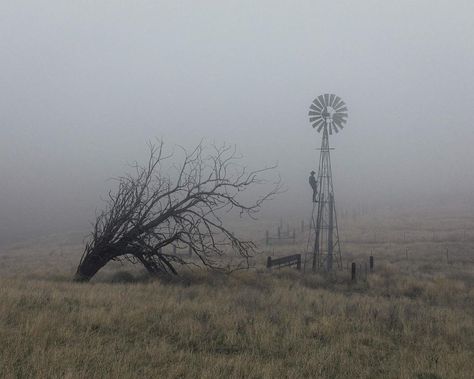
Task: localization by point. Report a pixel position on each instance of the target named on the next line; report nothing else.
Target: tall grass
(412, 318)
(246, 325)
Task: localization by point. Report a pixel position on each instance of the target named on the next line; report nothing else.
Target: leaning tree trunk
(90, 265)
(156, 265)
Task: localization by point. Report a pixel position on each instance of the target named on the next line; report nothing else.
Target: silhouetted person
(314, 185)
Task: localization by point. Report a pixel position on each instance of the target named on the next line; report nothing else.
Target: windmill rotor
(328, 112)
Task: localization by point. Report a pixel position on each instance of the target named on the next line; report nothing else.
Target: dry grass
(411, 319)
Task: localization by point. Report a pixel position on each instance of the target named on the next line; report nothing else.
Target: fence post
(298, 262)
(267, 237)
(353, 271)
(371, 263)
(269, 262)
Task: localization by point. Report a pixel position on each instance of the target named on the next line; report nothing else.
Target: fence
(280, 236)
(359, 273)
(287, 261)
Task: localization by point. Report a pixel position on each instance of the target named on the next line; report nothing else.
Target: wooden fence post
(267, 237)
(269, 262)
(298, 263)
(353, 271)
(371, 263)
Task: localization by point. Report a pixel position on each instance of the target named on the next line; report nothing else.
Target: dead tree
(183, 205)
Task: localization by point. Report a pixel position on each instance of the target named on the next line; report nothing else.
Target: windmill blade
(340, 104)
(339, 125)
(318, 103)
(314, 108)
(337, 102)
(326, 99)
(341, 109)
(335, 127)
(339, 121)
(338, 117)
(313, 119)
(321, 126)
(314, 113)
(317, 123)
(331, 99)
(321, 100)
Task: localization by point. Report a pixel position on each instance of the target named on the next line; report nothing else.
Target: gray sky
(84, 85)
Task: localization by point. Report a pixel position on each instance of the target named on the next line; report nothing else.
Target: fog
(85, 84)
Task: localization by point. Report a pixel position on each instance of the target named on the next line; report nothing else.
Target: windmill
(327, 114)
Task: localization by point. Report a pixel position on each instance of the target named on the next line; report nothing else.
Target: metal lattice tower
(327, 113)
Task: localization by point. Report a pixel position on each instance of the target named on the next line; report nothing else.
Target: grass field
(412, 318)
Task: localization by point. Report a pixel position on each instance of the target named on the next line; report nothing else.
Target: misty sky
(85, 84)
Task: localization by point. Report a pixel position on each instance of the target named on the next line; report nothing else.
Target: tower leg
(317, 229)
(330, 232)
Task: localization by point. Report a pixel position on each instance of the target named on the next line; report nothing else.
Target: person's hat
(312, 173)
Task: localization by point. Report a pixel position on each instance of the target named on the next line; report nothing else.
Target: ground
(412, 318)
